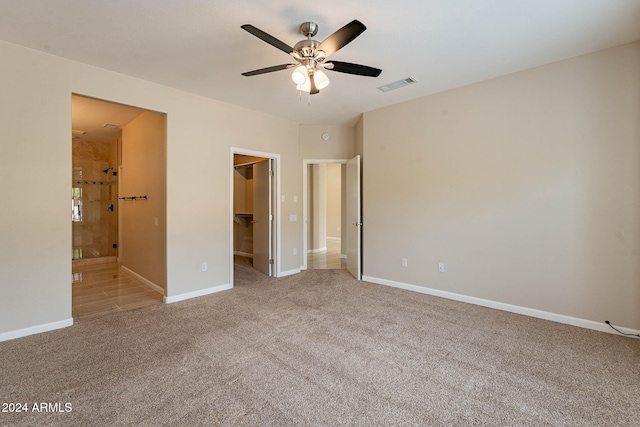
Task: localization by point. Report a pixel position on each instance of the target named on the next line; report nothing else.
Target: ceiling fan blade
(314, 88)
(342, 37)
(268, 69)
(267, 38)
(349, 68)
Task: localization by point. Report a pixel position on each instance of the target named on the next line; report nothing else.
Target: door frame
(354, 267)
(276, 237)
(305, 198)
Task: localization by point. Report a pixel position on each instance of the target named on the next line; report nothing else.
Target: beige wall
(309, 210)
(359, 137)
(527, 188)
(341, 143)
(334, 200)
(318, 217)
(143, 222)
(327, 215)
(343, 210)
(35, 172)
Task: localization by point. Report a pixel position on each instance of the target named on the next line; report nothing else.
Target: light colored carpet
(320, 348)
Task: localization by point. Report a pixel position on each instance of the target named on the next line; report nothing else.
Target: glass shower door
(93, 210)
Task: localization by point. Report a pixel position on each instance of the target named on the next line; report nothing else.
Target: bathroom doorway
(118, 239)
(96, 144)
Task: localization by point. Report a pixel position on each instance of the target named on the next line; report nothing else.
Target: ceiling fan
(311, 55)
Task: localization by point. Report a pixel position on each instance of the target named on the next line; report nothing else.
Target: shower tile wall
(94, 225)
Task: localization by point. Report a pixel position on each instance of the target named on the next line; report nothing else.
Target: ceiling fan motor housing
(309, 29)
(306, 48)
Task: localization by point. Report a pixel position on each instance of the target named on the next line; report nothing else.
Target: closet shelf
(244, 219)
(244, 165)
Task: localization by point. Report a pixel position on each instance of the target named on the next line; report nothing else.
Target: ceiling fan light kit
(305, 87)
(310, 56)
(300, 75)
(321, 78)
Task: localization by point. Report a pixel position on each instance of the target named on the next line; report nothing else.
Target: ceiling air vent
(398, 84)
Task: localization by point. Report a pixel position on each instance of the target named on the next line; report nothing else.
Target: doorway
(118, 237)
(315, 224)
(254, 216)
(96, 150)
(326, 208)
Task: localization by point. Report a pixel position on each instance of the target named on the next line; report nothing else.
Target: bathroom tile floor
(101, 289)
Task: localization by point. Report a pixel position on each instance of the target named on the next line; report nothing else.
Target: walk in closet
(253, 219)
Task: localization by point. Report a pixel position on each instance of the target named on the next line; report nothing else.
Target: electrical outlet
(440, 267)
(204, 266)
(404, 262)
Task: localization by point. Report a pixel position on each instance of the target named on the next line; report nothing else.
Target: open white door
(354, 219)
(262, 217)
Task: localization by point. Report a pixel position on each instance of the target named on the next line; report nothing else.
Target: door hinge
(271, 261)
(270, 172)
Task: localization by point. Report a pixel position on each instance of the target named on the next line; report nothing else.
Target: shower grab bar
(132, 198)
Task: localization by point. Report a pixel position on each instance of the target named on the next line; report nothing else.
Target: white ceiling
(198, 45)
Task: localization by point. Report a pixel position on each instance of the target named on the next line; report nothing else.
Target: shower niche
(94, 195)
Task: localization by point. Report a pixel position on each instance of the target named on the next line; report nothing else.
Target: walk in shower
(94, 196)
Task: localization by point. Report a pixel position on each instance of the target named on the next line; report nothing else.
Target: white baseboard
(196, 294)
(244, 254)
(333, 239)
(532, 312)
(343, 256)
(289, 273)
(11, 335)
(144, 280)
